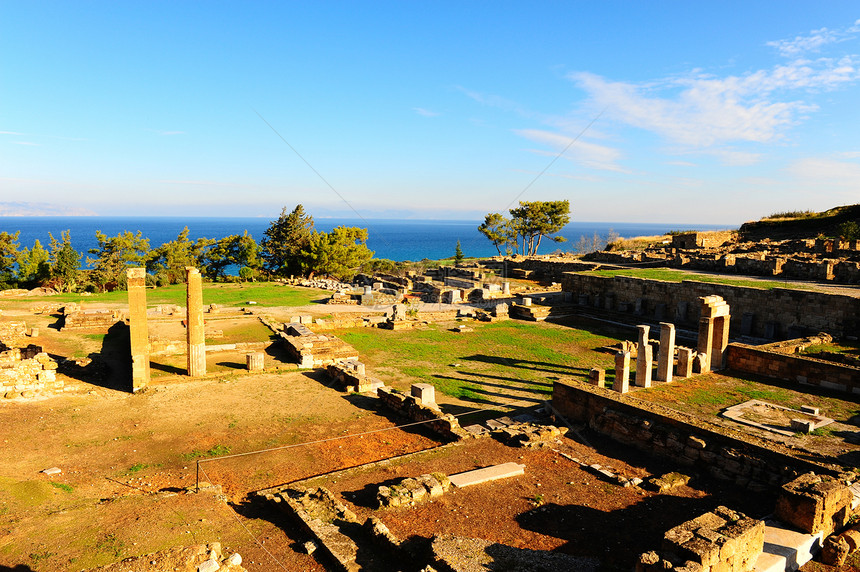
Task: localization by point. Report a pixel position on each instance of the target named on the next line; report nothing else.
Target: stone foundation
(815, 503)
(746, 460)
(27, 372)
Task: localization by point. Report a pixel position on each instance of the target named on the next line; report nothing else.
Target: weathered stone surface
(835, 550)
(814, 503)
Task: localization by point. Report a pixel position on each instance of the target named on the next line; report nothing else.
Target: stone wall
(27, 372)
(408, 406)
(314, 350)
(773, 314)
(746, 460)
(761, 360)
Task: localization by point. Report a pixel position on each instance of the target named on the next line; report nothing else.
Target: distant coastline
(395, 239)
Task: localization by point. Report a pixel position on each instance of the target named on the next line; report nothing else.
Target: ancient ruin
(194, 323)
(138, 331)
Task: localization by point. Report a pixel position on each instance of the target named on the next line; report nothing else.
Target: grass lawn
(263, 293)
(497, 363)
(669, 275)
(707, 395)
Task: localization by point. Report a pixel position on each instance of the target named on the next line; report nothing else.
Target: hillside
(808, 225)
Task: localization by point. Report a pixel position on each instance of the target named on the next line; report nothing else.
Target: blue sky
(687, 112)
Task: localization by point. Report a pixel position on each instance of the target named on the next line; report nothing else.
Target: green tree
(533, 220)
(849, 230)
(338, 253)
(285, 240)
(233, 250)
(168, 261)
(458, 254)
(497, 229)
(8, 257)
(65, 263)
(114, 255)
(33, 266)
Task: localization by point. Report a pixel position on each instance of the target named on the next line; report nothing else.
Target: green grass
(63, 487)
(503, 360)
(137, 467)
(668, 275)
(233, 295)
(216, 451)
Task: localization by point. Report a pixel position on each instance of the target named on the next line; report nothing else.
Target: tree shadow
(60, 321)
(18, 568)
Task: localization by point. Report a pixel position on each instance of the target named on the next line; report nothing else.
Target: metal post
(197, 483)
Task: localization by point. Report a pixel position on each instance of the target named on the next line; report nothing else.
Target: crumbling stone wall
(762, 360)
(26, 372)
(408, 406)
(773, 314)
(74, 318)
(746, 460)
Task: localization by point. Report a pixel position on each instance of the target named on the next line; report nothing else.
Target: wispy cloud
(814, 41)
(583, 152)
(10, 133)
(29, 143)
(425, 112)
(703, 110)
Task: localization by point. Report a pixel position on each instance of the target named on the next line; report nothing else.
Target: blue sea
(397, 240)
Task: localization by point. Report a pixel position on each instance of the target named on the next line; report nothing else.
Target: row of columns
(710, 350)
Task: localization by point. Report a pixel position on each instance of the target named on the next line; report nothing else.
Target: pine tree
(458, 255)
(285, 240)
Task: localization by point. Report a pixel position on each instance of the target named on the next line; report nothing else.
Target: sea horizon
(391, 238)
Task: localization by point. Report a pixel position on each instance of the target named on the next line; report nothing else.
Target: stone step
(786, 550)
(487, 474)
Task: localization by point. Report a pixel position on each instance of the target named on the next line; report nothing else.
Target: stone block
(424, 393)
(814, 503)
(597, 376)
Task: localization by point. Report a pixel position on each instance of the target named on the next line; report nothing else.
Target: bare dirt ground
(129, 463)
(125, 456)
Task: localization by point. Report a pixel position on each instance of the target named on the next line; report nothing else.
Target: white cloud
(29, 143)
(815, 40)
(583, 152)
(425, 112)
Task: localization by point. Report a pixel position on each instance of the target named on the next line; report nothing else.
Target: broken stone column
(622, 372)
(506, 288)
(194, 332)
(685, 362)
(644, 357)
(597, 376)
(666, 357)
(138, 330)
(713, 331)
(255, 361)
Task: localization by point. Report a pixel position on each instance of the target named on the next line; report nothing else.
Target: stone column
(685, 362)
(138, 330)
(622, 372)
(644, 357)
(713, 331)
(666, 358)
(255, 361)
(194, 332)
